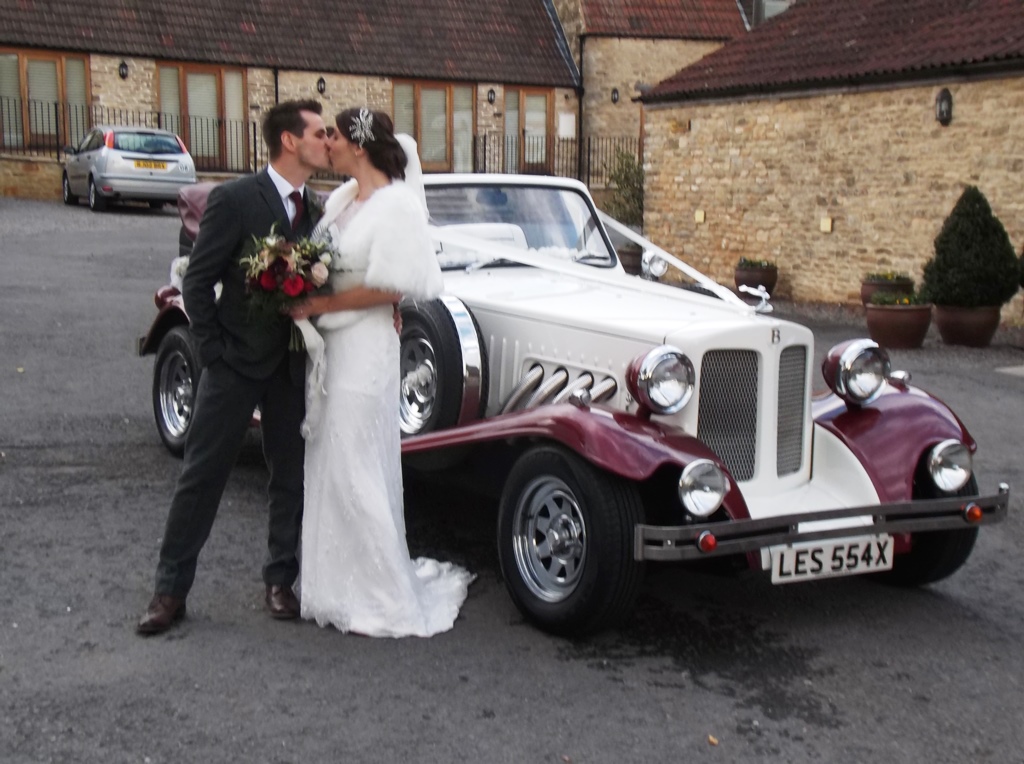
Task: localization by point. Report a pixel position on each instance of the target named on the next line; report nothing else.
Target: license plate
(842, 557)
(149, 164)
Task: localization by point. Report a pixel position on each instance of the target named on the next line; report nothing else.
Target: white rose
(319, 274)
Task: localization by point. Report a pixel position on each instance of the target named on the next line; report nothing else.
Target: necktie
(296, 196)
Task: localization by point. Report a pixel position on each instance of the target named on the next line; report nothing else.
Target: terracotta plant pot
(900, 327)
(973, 327)
(899, 286)
(754, 277)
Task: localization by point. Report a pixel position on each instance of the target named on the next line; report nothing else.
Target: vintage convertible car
(628, 420)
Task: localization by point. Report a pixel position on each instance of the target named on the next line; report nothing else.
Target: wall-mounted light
(122, 70)
(491, 95)
(615, 95)
(944, 107)
(321, 86)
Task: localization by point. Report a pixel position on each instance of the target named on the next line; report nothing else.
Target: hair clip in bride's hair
(361, 130)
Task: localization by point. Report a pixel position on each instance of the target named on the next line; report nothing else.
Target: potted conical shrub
(973, 273)
(755, 273)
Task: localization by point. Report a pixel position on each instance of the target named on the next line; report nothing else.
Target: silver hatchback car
(116, 163)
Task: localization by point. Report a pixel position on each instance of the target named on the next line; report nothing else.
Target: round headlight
(702, 487)
(652, 265)
(663, 381)
(950, 464)
(862, 371)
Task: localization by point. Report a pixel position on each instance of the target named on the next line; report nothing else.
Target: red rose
(268, 281)
(293, 286)
(278, 267)
(309, 287)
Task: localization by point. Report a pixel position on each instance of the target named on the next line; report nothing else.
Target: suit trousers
(223, 411)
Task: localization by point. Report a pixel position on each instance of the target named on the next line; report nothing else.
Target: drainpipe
(579, 120)
(277, 94)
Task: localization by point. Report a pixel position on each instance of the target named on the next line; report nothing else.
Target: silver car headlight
(652, 265)
(950, 464)
(860, 372)
(662, 381)
(702, 487)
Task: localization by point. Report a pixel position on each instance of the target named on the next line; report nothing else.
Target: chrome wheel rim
(92, 194)
(418, 383)
(177, 395)
(66, 188)
(549, 538)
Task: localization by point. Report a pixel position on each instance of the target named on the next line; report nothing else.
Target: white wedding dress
(356, 572)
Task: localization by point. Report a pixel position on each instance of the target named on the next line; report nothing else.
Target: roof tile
(679, 19)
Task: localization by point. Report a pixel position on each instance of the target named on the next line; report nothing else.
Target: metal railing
(45, 128)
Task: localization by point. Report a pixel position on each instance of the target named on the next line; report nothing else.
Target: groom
(245, 362)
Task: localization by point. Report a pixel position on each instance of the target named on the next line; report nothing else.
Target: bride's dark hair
(384, 150)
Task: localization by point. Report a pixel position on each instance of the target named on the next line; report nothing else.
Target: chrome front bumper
(671, 543)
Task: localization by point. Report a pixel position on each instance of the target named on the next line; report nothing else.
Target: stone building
(836, 138)
(449, 71)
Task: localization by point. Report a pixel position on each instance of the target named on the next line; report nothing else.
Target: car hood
(609, 303)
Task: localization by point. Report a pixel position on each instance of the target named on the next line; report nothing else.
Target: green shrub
(886, 276)
(1021, 265)
(974, 263)
(746, 262)
(627, 201)
(897, 298)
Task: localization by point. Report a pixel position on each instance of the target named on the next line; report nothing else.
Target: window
(440, 118)
(43, 99)
(206, 106)
(527, 130)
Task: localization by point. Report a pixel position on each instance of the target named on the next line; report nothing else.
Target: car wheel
(175, 382)
(97, 202)
(933, 555)
(565, 542)
(69, 198)
(443, 366)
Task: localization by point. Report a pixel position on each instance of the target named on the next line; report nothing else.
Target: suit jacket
(236, 211)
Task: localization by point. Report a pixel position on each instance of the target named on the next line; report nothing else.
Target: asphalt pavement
(711, 668)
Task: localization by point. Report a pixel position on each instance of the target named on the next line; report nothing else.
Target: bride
(356, 571)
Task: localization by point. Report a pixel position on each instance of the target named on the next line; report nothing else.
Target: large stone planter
(755, 277)
(900, 327)
(899, 286)
(973, 327)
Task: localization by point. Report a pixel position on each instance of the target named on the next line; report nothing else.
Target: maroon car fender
(890, 435)
(614, 441)
(171, 313)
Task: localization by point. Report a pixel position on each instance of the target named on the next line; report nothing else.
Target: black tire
(69, 198)
(175, 382)
(97, 202)
(590, 582)
(432, 362)
(933, 555)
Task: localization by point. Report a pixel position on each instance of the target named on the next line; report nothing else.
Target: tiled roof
(830, 43)
(510, 41)
(680, 19)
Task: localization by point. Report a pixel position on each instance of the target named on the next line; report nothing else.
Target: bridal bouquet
(281, 272)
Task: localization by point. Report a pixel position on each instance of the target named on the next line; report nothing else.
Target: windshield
(552, 222)
(146, 143)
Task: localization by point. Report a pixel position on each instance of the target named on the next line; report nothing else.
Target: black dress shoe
(282, 603)
(163, 612)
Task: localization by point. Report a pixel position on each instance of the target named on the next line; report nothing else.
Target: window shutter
(170, 100)
(10, 101)
(74, 93)
(434, 126)
(511, 131)
(201, 92)
(234, 119)
(462, 129)
(405, 110)
(43, 97)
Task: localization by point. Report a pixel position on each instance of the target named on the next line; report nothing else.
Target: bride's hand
(304, 309)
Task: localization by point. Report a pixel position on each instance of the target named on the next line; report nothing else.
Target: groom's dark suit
(246, 362)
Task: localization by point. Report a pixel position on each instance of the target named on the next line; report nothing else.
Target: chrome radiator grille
(790, 427)
(727, 414)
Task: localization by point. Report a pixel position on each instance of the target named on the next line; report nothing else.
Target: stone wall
(30, 178)
(630, 65)
(831, 186)
(138, 92)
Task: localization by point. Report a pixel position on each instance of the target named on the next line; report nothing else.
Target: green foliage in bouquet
(974, 264)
